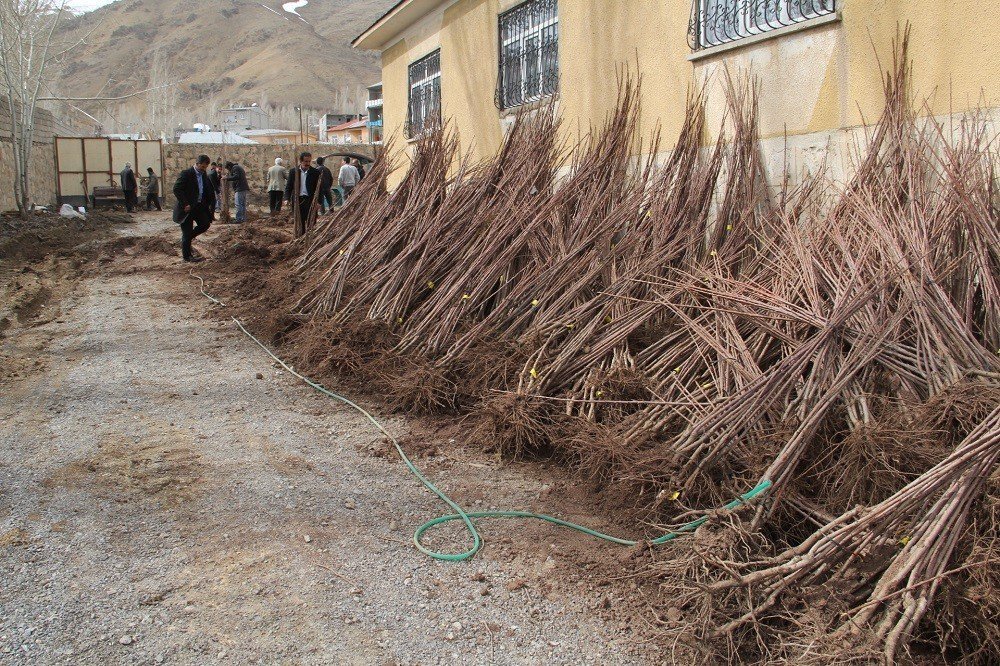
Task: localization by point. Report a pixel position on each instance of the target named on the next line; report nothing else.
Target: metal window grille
(715, 22)
(529, 53)
(425, 95)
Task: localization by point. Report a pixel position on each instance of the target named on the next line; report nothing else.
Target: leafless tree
(27, 50)
(26, 31)
(162, 103)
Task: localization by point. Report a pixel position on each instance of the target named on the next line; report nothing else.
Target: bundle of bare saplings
(684, 330)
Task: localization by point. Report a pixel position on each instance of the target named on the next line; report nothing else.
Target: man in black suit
(306, 178)
(195, 197)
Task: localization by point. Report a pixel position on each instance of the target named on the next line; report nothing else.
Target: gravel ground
(167, 495)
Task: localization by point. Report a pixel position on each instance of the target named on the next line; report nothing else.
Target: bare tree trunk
(26, 29)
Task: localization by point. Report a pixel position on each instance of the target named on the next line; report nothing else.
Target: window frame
(532, 85)
(430, 115)
(746, 19)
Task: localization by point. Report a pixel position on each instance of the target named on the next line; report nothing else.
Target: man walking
(348, 177)
(277, 178)
(325, 185)
(303, 183)
(238, 177)
(152, 190)
(195, 204)
(361, 169)
(130, 186)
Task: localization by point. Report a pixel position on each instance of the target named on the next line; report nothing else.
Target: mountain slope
(222, 51)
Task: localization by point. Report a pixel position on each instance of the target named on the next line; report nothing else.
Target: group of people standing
(314, 181)
(198, 191)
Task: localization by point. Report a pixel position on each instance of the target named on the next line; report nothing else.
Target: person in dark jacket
(303, 183)
(325, 185)
(195, 207)
(130, 186)
(241, 188)
(152, 190)
(360, 167)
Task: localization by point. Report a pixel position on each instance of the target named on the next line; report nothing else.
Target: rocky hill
(221, 51)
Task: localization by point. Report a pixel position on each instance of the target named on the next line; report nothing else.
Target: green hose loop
(461, 514)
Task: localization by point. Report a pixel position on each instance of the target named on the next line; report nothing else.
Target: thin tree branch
(104, 99)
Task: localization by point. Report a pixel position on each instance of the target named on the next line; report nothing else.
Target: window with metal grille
(529, 53)
(715, 22)
(425, 95)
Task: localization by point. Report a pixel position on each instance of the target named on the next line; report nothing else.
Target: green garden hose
(461, 514)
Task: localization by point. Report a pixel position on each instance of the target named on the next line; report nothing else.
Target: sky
(87, 5)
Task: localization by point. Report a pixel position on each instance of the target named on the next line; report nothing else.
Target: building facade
(374, 107)
(351, 132)
(331, 120)
(819, 64)
(241, 118)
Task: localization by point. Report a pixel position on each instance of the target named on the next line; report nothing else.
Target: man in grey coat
(152, 190)
(277, 177)
(130, 186)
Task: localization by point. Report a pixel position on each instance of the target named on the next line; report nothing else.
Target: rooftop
(353, 124)
(213, 137)
(267, 132)
(389, 25)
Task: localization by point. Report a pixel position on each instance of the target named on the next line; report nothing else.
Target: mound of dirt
(42, 233)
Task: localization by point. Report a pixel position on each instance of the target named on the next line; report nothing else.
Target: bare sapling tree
(162, 102)
(26, 50)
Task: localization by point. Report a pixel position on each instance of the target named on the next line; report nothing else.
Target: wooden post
(224, 210)
(300, 223)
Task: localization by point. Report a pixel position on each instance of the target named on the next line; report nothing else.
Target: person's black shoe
(194, 260)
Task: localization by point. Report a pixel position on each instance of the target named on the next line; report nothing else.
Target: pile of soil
(41, 233)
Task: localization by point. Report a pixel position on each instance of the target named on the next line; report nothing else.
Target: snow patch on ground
(293, 7)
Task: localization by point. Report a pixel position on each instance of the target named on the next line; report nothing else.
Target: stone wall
(255, 158)
(42, 175)
(42, 171)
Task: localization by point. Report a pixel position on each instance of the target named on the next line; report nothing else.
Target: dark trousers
(305, 205)
(325, 199)
(347, 190)
(189, 232)
(152, 200)
(131, 201)
(275, 196)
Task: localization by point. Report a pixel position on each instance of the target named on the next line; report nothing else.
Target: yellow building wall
(469, 70)
(814, 83)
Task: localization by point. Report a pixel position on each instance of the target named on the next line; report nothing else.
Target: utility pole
(301, 137)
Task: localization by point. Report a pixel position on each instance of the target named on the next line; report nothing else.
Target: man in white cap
(276, 180)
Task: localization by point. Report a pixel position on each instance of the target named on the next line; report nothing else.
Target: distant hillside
(224, 50)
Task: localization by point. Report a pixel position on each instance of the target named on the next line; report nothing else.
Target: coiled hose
(465, 516)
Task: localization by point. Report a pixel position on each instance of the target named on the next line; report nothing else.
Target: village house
(242, 118)
(819, 65)
(353, 131)
(330, 120)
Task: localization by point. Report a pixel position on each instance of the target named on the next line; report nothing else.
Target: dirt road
(167, 495)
